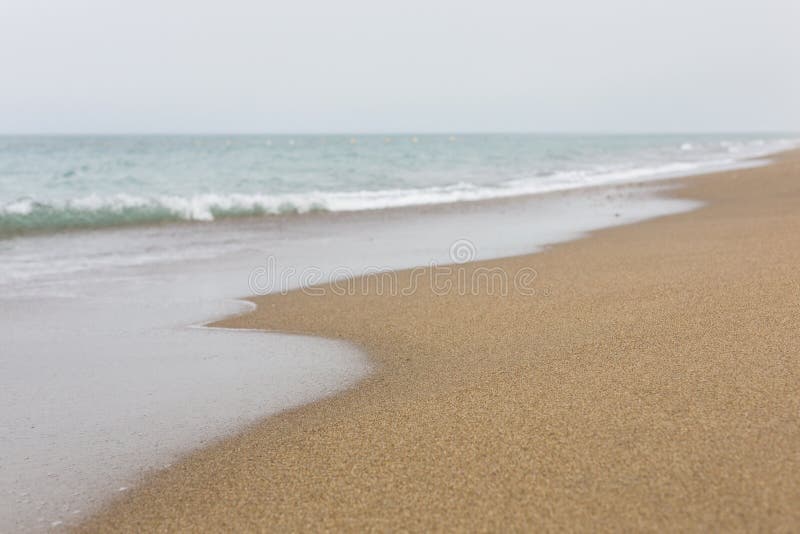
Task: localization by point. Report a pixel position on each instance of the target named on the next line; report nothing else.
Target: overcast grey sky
(412, 65)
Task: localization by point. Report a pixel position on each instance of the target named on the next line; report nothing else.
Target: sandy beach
(648, 381)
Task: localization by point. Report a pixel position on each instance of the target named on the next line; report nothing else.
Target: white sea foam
(105, 210)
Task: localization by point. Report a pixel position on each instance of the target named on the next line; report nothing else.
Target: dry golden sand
(656, 386)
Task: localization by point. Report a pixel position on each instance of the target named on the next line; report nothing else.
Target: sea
(49, 184)
(116, 251)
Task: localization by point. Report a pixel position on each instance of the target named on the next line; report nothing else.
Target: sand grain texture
(652, 382)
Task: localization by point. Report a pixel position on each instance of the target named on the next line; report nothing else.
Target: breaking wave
(26, 215)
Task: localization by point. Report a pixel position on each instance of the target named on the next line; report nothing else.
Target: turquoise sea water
(53, 183)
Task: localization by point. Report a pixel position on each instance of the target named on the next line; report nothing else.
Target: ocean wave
(26, 215)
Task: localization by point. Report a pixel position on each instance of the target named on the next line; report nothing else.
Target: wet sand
(651, 381)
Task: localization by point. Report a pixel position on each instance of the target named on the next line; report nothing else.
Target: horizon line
(400, 133)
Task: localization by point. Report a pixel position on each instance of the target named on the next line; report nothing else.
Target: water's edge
(376, 238)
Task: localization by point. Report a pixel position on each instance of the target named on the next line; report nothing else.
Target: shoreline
(414, 395)
(285, 437)
(170, 410)
(183, 408)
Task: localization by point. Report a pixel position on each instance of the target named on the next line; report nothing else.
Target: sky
(173, 66)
